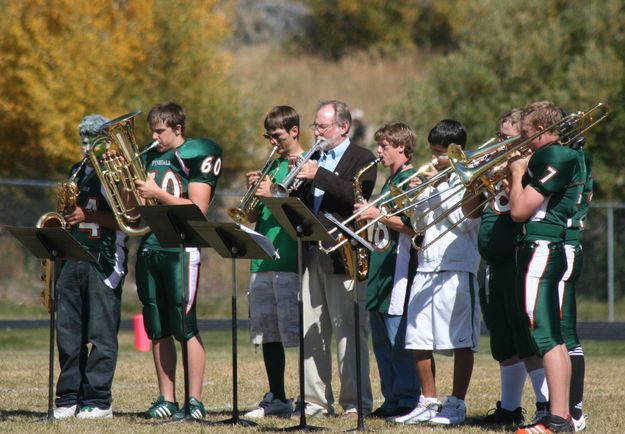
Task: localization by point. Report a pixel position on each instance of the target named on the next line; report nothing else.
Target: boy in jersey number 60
(180, 171)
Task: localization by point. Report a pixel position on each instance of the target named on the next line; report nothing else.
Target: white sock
(512, 382)
(539, 383)
(428, 399)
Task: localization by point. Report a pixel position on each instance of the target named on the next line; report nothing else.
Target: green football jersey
(107, 245)
(576, 224)
(498, 233)
(268, 226)
(196, 160)
(556, 173)
(392, 264)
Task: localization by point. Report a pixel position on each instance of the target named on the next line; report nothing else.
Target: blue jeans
(398, 376)
(88, 312)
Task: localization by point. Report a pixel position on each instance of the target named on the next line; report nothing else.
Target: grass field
(24, 373)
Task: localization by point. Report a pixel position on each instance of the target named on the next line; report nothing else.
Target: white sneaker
(65, 412)
(90, 412)
(271, 407)
(580, 424)
(453, 412)
(312, 409)
(425, 410)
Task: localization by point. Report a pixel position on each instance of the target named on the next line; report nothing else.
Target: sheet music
(262, 241)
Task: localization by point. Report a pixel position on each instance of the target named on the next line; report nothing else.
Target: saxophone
(362, 253)
(67, 197)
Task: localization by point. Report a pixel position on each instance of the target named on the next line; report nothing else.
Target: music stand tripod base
(233, 241)
(301, 225)
(51, 243)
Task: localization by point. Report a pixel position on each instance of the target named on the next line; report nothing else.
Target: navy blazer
(338, 198)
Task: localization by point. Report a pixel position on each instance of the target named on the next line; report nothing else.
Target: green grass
(24, 374)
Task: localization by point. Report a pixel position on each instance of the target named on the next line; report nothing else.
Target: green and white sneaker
(196, 410)
(161, 409)
(91, 412)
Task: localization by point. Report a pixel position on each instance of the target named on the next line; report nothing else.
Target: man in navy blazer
(327, 289)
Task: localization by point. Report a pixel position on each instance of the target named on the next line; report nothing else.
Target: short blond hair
(512, 117)
(541, 114)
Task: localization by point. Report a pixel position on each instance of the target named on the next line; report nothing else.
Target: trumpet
(291, 182)
(249, 202)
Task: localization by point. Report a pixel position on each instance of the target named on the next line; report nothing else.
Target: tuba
(249, 202)
(67, 197)
(115, 156)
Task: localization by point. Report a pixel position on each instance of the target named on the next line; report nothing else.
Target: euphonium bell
(115, 156)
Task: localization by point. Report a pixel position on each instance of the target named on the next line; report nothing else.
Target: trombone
(383, 204)
(407, 205)
(478, 170)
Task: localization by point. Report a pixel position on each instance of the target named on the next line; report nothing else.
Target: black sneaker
(380, 413)
(402, 411)
(542, 411)
(501, 417)
(549, 424)
(559, 424)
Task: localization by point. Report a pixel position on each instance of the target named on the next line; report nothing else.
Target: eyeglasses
(277, 137)
(502, 136)
(321, 127)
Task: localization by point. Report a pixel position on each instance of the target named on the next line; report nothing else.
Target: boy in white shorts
(443, 309)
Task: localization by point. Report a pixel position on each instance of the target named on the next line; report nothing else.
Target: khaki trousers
(328, 302)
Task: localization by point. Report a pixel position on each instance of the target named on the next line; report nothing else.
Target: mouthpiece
(153, 145)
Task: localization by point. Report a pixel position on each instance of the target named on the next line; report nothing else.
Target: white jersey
(457, 249)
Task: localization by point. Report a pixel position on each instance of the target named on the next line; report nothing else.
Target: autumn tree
(62, 60)
(340, 27)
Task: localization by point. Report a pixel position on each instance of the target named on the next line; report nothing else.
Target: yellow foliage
(64, 59)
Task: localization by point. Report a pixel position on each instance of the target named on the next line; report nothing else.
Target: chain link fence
(20, 273)
(602, 282)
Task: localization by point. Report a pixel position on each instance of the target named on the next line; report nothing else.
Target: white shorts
(274, 315)
(443, 312)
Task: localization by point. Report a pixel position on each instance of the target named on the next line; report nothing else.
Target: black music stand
(355, 241)
(301, 225)
(170, 224)
(52, 244)
(234, 241)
